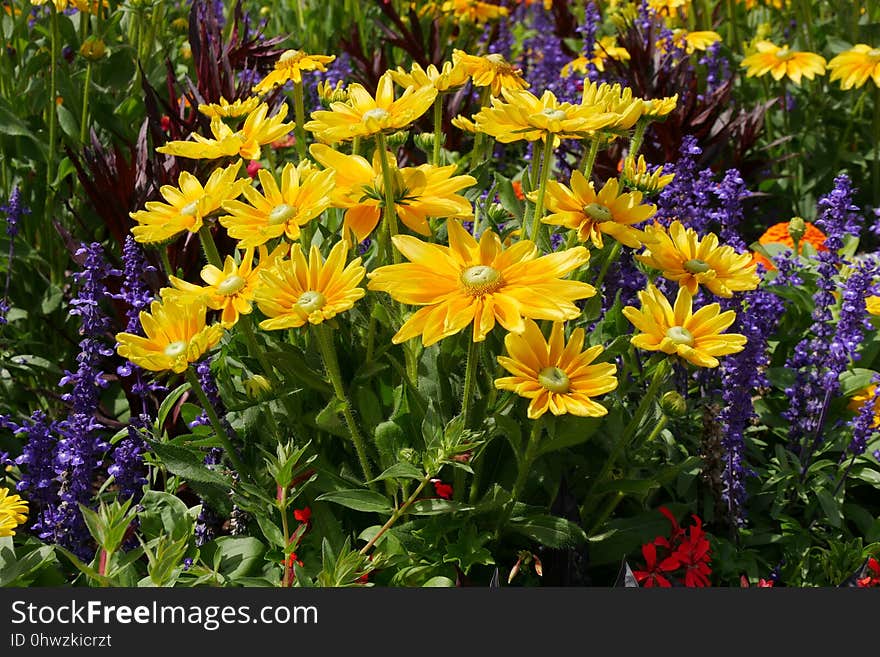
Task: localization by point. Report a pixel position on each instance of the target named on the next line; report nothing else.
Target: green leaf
(438, 582)
(328, 418)
(238, 556)
(568, 432)
(433, 507)
(168, 403)
(163, 513)
(830, 506)
(855, 381)
(188, 465)
(14, 572)
(468, 550)
(68, 122)
(401, 471)
(270, 531)
(551, 531)
(358, 499)
(51, 300)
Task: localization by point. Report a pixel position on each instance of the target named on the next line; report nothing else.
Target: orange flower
(778, 234)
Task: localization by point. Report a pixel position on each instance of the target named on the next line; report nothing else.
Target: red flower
(693, 555)
(252, 168)
(653, 574)
(873, 578)
(677, 532)
(165, 122)
(302, 515)
(443, 490)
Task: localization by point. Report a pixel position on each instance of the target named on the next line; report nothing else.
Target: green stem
(53, 66)
(732, 36)
(390, 212)
(324, 339)
(438, 129)
(163, 253)
(875, 168)
(83, 126)
(285, 530)
(591, 157)
(209, 246)
(612, 256)
(399, 511)
(470, 379)
(219, 430)
(525, 465)
(635, 144)
(546, 165)
(300, 114)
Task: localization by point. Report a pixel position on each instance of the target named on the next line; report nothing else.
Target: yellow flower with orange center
(695, 336)
(557, 376)
(479, 283)
(13, 512)
(365, 116)
(522, 115)
(290, 66)
(296, 292)
(683, 256)
(782, 62)
(258, 130)
(187, 204)
(176, 335)
(446, 78)
(491, 71)
(419, 192)
(275, 211)
(854, 67)
(610, 212)
(231, 289)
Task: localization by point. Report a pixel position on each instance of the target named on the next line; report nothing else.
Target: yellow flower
(614, 99)
(330, 94)
(782, 62)
(176, 335)
(188, 204)
(635, 176)
(290, 66)
(657, 108)
(609, 212)
(474, 10)
(604, 49)
(464, 123)
(303, 195)
(690, 41)
(668, 7)
(257, 131)
(693, 261)
(491, 71)
(695, 336)
(227, 110)
(860, 398)
(13, 512)
(231, 289)
(295, 292)
(448, 77)
(556, 376)
(872, 304)
(419, 192)
(469, 282)
(364, 116)
(855, 66)
(522, 115)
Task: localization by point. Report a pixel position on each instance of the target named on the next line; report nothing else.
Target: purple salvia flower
(588, 32)
(730, 193)
(687, 197)
(14, 211)
(717, 67)
(544, 59)
(864, 425)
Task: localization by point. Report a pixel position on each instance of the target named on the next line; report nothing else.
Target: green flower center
(287, 55)
(376, 116)
(784, 53)
(495, 58)
(696, 266)
(598, 212)
(230, 285)
(680, 335)
(554, 380)
(175, 349)
(281, 214)
(481, 279)
(190, 210)
(554, 114)
(311, 301)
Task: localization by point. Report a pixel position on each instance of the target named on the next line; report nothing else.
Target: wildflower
(782, 62)
(871, 574)
(692, 41)
(13, 512)
(635, 176)
(491, 71)
(303, 515)
(365, 116)
(176, 335)
(604, 49)
(290, 66)
(855, 66)
(658, 108)
(778, 234)
(655, 573)
(610, 212)
(275, 212)
(295, 292)
(872, 304)
(469, 282)
(231, 289)
(692, 261)
(557, 376)
(419, 192)
(696, 337)
(447, 78)
(668, 7)
(692, 554)
(227, 110)
(188, 204)
(258, 130)
(615, 100)
(442, 490)
(474, 11)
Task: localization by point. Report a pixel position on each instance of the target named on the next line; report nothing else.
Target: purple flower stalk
(14, 211)
(731, 192)
(864, 425)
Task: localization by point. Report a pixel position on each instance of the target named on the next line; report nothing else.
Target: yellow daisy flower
(303, 195)
(668, 7)
(522, 115)
(188, 204)
(176, 335)
(231, 289)
(695, 336)
(855, 66)
(258, 130)
(691, 41)
(692, 261)
(614, 99)
(657, 108)
(290, 66)
(610, 212)
(13, 512)
(364, 116)
(227, 110)
(872, 304)
(491, 71)
(604, 49)
(635, 176)
(447, 78)
(469, 282)
(781, 62)
(474, 10)
(557, 376)
(419, 192)
(294, 292)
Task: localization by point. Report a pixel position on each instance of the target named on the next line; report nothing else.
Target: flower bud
(424, 141)
(257, 386)
(93, 49)
(497, 213)
(673, 404)
(796, 228)
(397, 139)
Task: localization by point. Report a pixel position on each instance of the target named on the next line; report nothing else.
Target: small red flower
(292, 559)
(872, 579)
(653, 574)
(252, 168)
(693, 554)
(303, 515)
(517, 190)
(442, 490)
(165, 122)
